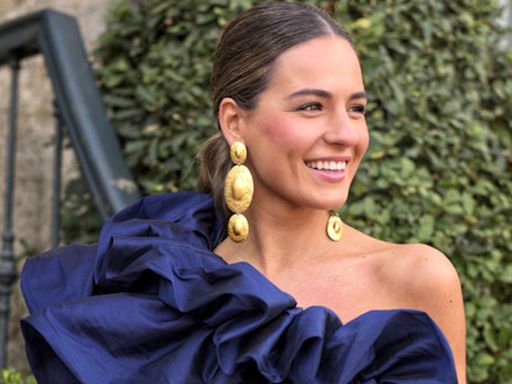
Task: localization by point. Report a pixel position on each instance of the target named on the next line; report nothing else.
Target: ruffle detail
(151, 303)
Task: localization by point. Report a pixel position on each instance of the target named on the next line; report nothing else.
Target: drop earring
(238, 191)
(334, 226)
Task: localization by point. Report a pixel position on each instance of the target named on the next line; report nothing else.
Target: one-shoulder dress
(151, 303)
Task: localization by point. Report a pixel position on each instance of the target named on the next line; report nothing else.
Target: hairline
(327, 31)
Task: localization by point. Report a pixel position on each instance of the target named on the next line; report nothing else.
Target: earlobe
(230, 120)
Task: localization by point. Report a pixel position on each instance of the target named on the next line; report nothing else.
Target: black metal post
(57, 37)
(55, 234)
(7, 265)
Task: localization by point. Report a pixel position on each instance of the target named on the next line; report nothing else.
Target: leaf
(506, 274)
(426, 228)
(485, 359)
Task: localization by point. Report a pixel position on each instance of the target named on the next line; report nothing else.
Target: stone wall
(33, 188)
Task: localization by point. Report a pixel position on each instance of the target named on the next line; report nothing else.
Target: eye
(357, 108)
(309, 107)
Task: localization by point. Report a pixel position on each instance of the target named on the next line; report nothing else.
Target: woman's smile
(332, 170)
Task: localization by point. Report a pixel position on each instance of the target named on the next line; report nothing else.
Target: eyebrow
(324, 94)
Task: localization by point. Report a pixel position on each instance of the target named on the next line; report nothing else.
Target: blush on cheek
(278, 129)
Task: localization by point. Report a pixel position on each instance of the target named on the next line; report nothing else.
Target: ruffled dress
(151, 303)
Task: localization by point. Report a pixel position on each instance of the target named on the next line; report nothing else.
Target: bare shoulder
(414, 275)
(417, 276)
(417, 267)
(428, 281)
(421, 277)
(424, 269)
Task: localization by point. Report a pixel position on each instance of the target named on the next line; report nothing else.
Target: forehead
(325, 62)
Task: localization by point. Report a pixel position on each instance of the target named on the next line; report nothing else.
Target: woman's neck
(280, 237)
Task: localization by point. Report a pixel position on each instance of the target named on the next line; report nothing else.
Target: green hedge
(11, 376)
(439, 169)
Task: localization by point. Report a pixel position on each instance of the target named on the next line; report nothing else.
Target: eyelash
(310, 107)
(358, 108)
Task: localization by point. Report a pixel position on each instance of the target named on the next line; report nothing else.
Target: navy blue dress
(151, 303)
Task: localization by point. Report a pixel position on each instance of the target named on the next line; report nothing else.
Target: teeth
(327, 165)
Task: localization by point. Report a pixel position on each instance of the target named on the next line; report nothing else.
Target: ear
(231, 120)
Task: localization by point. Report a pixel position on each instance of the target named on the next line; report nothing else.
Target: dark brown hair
(242, 70)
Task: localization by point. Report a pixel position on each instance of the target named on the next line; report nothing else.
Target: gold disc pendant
(238, 189)
(334, 228)
(238, 227)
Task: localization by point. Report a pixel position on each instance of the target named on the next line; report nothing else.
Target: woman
(166, 297)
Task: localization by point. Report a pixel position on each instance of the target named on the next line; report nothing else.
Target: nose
(343, 130)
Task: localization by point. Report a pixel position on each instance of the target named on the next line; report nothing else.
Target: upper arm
(435, 289)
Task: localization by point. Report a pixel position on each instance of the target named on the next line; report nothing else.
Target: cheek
(280, 132)
(365, 140)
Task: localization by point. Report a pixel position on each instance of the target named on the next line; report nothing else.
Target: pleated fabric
(151, 303)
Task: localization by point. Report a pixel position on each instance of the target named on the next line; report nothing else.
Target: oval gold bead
(238, 189)
(238, 228)
(334, 228)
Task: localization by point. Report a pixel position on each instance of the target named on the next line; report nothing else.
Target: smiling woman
(307, 115)
(165, 296)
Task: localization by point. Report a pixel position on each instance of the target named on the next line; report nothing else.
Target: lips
(331, 170)
(331, 163)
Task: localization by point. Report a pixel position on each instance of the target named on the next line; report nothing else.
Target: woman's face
(308, 133)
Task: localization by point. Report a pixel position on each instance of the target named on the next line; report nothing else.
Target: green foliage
(439, 166)
(81, 220)
(11, 376)
(154, 67)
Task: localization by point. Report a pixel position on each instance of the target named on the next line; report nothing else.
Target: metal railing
(79, 108)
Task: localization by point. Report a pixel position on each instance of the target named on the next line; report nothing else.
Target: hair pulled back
(242, 70)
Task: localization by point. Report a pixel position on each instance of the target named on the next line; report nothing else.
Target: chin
(335, 202)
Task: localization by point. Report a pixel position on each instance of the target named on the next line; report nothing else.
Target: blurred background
(35, 154)
(439, 170)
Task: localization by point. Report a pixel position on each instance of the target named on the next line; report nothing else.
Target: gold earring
(334, 226)
(238, 191)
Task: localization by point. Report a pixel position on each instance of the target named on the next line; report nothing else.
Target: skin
(313, 109)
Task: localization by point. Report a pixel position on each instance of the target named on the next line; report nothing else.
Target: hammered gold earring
(334, 226)
(238, 191)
